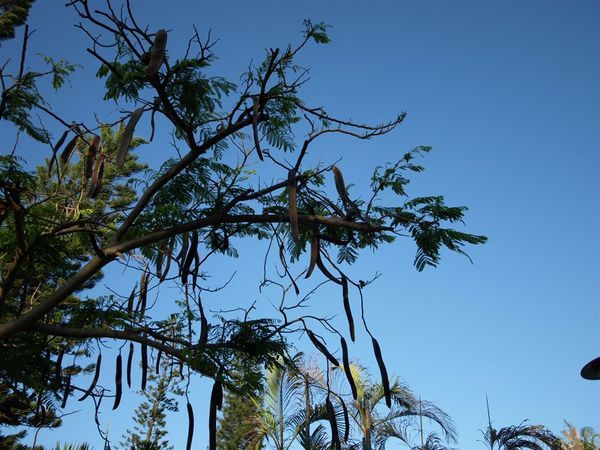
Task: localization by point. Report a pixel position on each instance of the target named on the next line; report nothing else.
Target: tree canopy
(97, 204)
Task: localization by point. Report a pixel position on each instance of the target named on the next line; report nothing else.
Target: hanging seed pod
(119, 387)
(160, 255)
(58, 367)
(340, 186)
(95, 380)
(346, 421)
(68, 150)
(319, 346)
(158, 361)
(130, 300)
(97, 175)
(127, 136)
(293, 205)
(315, 248)
(144, 365)
(59, 144)
(335, 437)
(196, 269)
(143, 293)
(169, 255)
(216, 402)
(203, 327)
(129, 361)
(185, 242)
(157, 54)
(346, 362)
(384, 375)
(90, 157)
(326, 272)
(347, 307)
(190, 435)
(67, 392)
(193, 249)
(255, 108)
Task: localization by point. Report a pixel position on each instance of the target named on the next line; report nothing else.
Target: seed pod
(130, 300)
(158, 360)
(67, 392)
(203, 327)
(346, 362)
(127, 136)
(90, 157)
(59, 143)
(190, 435)
(119, 387)
(144, 365)
(143, 293)
(97, 175)
(160, 255)
(346, 421)
(216, 402)
(193, 249)
(315, 248)
(157, 54)
(340, 186)
(335, 437)
(129, 361)
(293, 205)
(185, 241)
(196, 269)
(347, 307)
(326, 272)
(68, 151)
(322, 348)
(255, 107)
(384, 375)
(95, 380)
(58, 369)
(169, 255)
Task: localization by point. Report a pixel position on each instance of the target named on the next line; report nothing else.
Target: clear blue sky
(507, 94)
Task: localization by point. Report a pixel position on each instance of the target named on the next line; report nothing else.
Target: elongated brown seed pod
(67, 391)
(118, 386)
(315, 248)
(319, 346)
(185, 242)
(384, 375)
(127, 136)
(57, 147)
(160, 256)
(326, 272)
(216, 401)
(293, 205)
(335, 437)
(347, 307)
(58, 367)
(97, 175)
(129, 361)
(255, 108)
(203, 326)
(340, 186)
(68, 151)
(187, 263)
(143, 292)
(169, 256)
(346, 421)
(157, 54)
(346, 362)
(130, 300)
(190, 435)
(90, 157)
(144, 365)
(158, 361)
(95, 380)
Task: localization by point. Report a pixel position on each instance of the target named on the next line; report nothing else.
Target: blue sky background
(507, 94)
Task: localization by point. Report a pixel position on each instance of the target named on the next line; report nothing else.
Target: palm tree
(584, 439)
(523, 436)
(378, 424)
(287, 409)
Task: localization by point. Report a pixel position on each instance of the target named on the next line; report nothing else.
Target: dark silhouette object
(591, 371)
